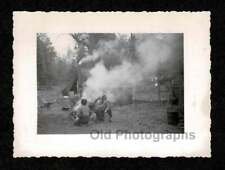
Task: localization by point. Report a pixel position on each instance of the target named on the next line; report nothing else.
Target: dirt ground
(141, 117)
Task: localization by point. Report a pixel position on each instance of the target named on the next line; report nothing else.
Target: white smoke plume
(95, 55)
(111, 82)
(105, 49)
(152, 52)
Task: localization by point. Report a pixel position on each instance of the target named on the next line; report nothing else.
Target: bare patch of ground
(142, 117)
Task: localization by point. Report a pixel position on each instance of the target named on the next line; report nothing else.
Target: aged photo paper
(121, 84)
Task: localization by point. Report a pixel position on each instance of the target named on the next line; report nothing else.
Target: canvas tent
(71, 86)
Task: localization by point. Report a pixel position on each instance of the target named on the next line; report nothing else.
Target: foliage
(51, 69)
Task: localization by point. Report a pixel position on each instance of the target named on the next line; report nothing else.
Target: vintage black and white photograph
(111, 84)
(131, 82)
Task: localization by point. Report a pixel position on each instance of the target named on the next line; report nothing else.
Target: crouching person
(82, 113)
(102, 107)
(107, 107)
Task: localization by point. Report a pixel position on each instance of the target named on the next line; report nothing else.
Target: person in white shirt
(82, 113)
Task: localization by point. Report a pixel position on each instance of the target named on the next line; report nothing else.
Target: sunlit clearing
(62, 43)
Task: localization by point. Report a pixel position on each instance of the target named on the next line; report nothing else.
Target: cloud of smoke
(153, 53)
(111, 82)
(95, 55)
(120, 77)
(106, 49)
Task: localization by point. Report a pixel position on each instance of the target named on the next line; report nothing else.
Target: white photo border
(196, 29)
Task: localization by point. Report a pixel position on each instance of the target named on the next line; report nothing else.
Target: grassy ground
(141, 117)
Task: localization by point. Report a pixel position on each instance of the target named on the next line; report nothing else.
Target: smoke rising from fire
(115, 73)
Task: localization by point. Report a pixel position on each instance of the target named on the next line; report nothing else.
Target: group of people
(96, 111)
